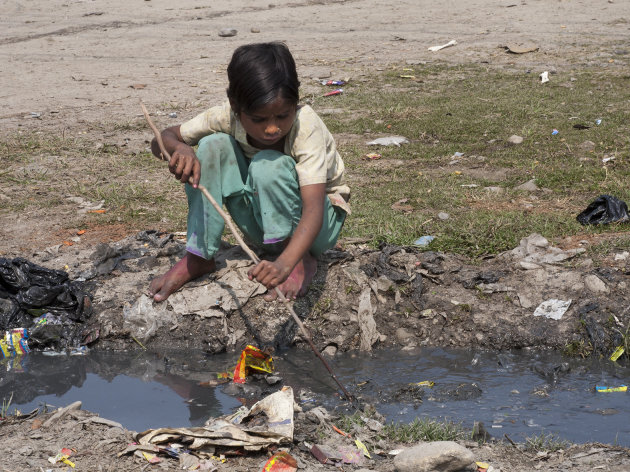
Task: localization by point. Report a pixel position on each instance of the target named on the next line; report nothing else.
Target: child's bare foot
(298, 281)
(188, 268)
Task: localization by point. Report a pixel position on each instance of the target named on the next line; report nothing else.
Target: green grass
(472, 109)
(545, 442)
(420, 429)
(448, 108)
(42, 171)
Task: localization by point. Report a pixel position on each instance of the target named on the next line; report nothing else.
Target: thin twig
(228, 220)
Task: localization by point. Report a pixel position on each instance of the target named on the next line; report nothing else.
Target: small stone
(227, 32)
(529, 186)
(403, 335)
(622, 256)
(443, 216)
(273, 379)
(497, 190)
(514, 139)
(445, 456)
(255, 30)
(595, 284)
(330, 350)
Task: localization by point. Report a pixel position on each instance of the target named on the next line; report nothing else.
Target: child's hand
(270, 274)
(184, 164)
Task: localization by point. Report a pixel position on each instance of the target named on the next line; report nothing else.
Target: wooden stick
(228, 220)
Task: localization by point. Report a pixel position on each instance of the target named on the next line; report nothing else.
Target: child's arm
(184, 162)
(273, 273)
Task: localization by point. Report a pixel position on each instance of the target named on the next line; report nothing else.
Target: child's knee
(269, 166)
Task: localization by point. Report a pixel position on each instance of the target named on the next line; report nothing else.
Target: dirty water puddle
(518, 393)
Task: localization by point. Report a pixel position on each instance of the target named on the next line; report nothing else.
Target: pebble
(496, 190)
(227, 32)
(255, 30)
(595, 284)
(443, 216)
(514, 139)
(529, 186)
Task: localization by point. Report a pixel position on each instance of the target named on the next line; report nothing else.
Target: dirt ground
(71, 66)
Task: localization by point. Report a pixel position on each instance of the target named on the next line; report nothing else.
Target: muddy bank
(32, 441)
(361, 299)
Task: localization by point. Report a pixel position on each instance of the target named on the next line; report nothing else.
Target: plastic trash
(617, 354)
(333, 82)
(334, 92)
(372, 156)
(544, 77)
(28, 290)
(281, 462)
(424, 383)
(452, 42)
(361, 447)
(172, 115)
(144, 317)
(423, 240)
(553, 308)
(598, 122)
(602, 389)
(603, 210)
(14, 343)
(252, 358)
(554, 132)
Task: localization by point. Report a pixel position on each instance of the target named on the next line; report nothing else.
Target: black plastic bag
(603, 210)
(29, 290)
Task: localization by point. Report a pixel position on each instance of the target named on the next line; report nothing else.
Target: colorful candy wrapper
(362, 448)
(333, 82)
(617, 354)
(281, 462)
(14, 343)
(622, 388)
(424, 383)
(334, 92)
(252, 358)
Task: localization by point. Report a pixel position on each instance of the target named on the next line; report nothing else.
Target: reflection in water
(140, 390)
(519, 393)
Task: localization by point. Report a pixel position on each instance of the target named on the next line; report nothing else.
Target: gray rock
(514, 139)
(403, 335)
(497, 190)
(529, 186)
(227, 32)
(443, 216)
(330, 350)
(443, 456)
(595, 284)
(273, 379)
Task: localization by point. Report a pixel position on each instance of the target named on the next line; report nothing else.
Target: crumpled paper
(268, 422)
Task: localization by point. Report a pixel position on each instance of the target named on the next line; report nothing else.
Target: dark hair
(260, 73)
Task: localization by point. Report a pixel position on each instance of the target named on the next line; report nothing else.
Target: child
(272, 163)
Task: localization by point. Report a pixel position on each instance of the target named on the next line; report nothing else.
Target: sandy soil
(79, 64)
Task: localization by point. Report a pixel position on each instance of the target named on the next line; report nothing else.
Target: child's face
(268, 125)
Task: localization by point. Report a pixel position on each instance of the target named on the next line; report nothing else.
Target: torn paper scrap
(552, 308)
(269, 422)
(544, 77)
(389, 141)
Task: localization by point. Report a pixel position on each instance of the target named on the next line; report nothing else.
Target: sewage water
(518, 393)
